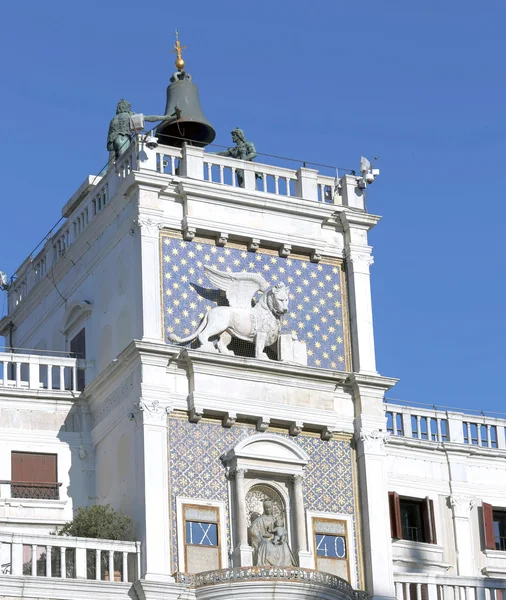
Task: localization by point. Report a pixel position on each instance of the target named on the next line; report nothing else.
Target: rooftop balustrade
(436, 425)
(434, 587)
(34, 555)
(34, 372)
(95, 194)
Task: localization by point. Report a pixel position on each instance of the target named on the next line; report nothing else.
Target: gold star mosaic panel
(316, 312)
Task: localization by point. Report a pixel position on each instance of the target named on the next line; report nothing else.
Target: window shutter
(488, 525)
(429, 524)
(17, 467)
(33, 468)
(395, 515)
(432, 522)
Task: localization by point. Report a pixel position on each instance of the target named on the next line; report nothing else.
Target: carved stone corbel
(253, 244)
(315, 256)
(221, 239)
(327, 433)
(229, 419)
(296, 427)
(189, 233)
(262, 424)
(194, 415)
(284, 250)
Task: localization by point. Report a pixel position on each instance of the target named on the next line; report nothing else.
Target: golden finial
(178, 49)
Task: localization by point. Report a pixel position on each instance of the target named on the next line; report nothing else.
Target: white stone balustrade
(445, 426)
(432, 587)
(97, 192)
(84, 558)
(165, 160)
(30, 371)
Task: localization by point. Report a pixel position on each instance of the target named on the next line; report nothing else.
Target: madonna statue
(269, 538)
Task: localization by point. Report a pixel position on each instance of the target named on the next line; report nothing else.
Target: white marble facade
(191, 441)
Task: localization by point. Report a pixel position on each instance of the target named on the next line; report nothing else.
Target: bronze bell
(192, 127)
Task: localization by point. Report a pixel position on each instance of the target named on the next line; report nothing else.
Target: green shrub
(99, 521)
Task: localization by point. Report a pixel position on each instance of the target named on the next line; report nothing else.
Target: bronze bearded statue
(243, 150)
(120, 129)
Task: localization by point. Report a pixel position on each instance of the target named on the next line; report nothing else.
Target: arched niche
(75, 314)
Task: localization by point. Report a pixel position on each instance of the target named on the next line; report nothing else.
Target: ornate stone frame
(223, 549)
(263, 455)
(350, 537)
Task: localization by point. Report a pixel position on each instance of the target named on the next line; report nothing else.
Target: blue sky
(422, 85)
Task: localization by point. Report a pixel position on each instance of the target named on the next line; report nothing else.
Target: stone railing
(83, 208)
(304, 183)
(445, 426)
(95, 194)
(431, 587)
(69, 557)
(293, 574)
(30, 371)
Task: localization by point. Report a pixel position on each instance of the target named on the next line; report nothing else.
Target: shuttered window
(494, 527)
(34, 475)
(412, 519)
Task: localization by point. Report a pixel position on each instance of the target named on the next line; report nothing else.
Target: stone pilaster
(243, 553)
(300, 547)
(152, 477)
(370, 438)
(461, 514)
(150, 263)
(358, 261)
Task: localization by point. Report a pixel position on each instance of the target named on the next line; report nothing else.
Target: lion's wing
(239, 287)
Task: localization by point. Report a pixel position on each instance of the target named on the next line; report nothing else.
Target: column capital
(461, 505)
(299, 478)
(373, 440)
(149, 226)
(236, 472)
(153, 413)
(360, 258)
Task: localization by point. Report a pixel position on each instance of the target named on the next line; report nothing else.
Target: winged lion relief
(253, 321)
